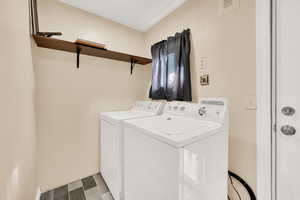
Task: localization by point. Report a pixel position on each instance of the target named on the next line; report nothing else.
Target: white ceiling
(138, 14)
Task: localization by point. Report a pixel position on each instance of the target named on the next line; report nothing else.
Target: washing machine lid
(118, 117)
(177, 131)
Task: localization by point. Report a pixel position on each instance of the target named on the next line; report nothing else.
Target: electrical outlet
(203, 63)
(250, 102)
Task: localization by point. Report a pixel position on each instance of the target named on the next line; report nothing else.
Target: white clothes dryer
(111, 161)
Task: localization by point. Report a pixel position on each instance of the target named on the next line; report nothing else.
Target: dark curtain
(171, 79)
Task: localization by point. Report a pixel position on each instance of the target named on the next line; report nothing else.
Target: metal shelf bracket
(78, 56)
(133, 62)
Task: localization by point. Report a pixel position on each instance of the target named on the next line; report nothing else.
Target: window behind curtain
(171, 68)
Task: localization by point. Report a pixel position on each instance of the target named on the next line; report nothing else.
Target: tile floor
(89, 188)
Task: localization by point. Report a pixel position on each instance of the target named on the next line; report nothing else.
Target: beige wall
(17, 126)
(228, 43)
(68, 100)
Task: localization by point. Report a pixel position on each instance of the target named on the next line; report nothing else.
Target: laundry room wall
(68, 99)
(17, 117)
(225, 40)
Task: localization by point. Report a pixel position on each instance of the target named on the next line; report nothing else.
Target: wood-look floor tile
(75, 185)
(61, 193)
(47, 195)
(88, 183)
(94, 194)
(90, 188)
(77, 194)
(101, 183)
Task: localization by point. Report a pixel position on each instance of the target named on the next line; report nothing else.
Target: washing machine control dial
(202, 111)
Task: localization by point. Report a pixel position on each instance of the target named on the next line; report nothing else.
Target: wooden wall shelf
(63, 45)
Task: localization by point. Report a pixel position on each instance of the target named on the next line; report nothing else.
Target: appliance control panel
(206, 109)
(148, 106)
(213, 109)
(178, 108)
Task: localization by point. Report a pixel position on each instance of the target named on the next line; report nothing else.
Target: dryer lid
(117, 117)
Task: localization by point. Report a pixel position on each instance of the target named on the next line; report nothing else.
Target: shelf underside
(63, 45)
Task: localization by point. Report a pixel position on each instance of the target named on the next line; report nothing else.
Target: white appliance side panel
(205, 169)
(110, 156)
(151, 168)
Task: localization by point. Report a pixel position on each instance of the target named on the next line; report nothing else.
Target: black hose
(230, 178)
(248, 188)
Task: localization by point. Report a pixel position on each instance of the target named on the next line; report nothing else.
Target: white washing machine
(112, 142)
(179, 155)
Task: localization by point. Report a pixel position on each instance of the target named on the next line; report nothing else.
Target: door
(287, 99)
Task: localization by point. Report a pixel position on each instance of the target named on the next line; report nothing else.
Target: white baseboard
(38, 194)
